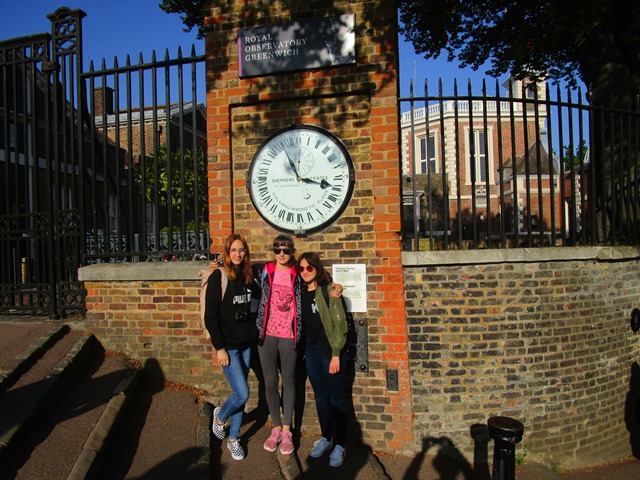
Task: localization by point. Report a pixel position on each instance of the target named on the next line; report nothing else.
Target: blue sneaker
(320, 447)
(337, 456)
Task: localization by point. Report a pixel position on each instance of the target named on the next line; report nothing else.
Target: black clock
(301, 179)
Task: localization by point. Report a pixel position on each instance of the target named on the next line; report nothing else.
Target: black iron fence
(148, 142)
(107, 165)
(532, 166)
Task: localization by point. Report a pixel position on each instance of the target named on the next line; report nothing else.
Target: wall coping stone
(142, 271)
(181, 271)
(518, 255)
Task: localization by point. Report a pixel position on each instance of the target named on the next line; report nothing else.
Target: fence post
(506, 433)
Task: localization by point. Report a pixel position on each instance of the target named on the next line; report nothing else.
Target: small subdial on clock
(300, 159)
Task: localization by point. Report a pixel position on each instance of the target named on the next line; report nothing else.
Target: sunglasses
(308, 268)
(278, 251)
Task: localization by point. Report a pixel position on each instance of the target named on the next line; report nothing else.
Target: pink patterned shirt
(280, 322)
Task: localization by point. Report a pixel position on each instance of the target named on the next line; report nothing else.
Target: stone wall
(540, 335)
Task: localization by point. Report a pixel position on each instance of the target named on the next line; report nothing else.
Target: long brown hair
(313, 259)
(245, 266)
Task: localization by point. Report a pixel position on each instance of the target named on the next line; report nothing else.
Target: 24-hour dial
(301, 179)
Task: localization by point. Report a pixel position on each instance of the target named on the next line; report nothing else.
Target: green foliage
(522, 455)
(577, 158)
(193, 12)
(534, 38)
(165, 179)
(189, 227)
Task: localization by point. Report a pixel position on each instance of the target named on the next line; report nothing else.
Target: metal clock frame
(350, 187)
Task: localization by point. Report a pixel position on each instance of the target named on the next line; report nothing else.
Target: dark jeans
(331, 401)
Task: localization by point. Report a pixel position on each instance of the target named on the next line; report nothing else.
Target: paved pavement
(173, 441)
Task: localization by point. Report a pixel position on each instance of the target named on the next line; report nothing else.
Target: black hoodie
(228, 320)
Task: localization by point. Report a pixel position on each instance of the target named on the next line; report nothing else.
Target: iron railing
(99, 166)
(533, 167)
(148, 138)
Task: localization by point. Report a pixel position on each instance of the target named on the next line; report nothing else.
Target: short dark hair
(286, 241)
(283, 240)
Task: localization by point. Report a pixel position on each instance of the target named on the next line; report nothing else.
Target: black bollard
(506, 433)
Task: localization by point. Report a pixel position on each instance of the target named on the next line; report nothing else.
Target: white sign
(353, 278)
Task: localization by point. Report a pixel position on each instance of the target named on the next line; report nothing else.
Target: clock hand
(323, 183)
(292, 164)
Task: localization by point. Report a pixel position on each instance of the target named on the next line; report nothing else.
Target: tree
(192, 12)
(596, 41)
(175, 181)
(577, 158)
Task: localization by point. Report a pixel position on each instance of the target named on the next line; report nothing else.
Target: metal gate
(103, 165)
(40, 170)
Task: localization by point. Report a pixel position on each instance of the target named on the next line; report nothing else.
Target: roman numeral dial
(301, 179)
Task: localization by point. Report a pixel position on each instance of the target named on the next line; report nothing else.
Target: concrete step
(166, 435)
(60, 399)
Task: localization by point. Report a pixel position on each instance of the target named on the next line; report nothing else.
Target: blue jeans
(328, 389)
(237, 373)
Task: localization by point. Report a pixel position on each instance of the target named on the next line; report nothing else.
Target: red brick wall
(153, 321)
(359, 104)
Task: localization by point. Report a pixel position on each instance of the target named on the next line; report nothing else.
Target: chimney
(102, 101)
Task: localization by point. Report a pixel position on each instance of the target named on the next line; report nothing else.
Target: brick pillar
(359, 104)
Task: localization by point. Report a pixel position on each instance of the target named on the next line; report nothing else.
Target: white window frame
(425, 161)
(479, 155)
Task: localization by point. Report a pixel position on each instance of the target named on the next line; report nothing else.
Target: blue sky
(120, 27)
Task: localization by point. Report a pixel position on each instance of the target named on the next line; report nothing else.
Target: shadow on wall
(632, 410)
(450, 462)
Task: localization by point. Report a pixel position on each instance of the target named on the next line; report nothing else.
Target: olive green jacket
(334, 321)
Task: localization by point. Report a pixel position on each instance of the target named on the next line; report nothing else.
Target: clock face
(301, 179)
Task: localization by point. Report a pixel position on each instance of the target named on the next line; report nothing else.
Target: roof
(147, 113)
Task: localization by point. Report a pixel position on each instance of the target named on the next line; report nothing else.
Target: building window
(479, 158)
(427, 159)
(113, 214)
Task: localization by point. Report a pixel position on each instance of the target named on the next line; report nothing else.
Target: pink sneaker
(274, 439)
(286, 447)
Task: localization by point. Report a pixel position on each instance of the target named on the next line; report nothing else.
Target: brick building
(471, 148)
(139, 131)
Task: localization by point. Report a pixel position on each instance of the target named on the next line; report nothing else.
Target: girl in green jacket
(325, 332)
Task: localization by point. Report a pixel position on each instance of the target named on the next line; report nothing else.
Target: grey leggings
(268, 353)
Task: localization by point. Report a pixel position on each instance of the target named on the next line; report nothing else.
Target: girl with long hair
(233, 334)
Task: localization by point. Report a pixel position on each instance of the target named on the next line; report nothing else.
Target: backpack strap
(224, 281)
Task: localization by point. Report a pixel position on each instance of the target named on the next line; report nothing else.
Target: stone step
(62, 399)
(30, 380)
(39, 339)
